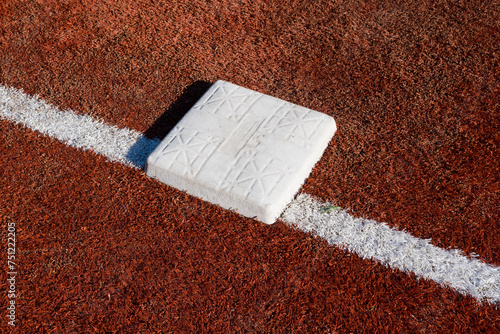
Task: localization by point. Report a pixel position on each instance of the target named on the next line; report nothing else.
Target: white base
(242, 150)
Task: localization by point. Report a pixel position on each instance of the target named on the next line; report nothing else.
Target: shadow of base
(162, 126)
(140, 151)
(145, 145)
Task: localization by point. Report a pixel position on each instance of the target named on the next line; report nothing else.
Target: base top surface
(242, 150)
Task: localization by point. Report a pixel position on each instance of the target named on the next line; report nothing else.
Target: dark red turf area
(414, 87)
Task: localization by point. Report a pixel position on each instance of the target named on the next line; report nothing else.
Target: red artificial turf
(414, 88)
(104, 248)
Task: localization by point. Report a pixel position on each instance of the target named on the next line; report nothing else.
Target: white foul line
(81, 131)
(367, 238)
(396, 249)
